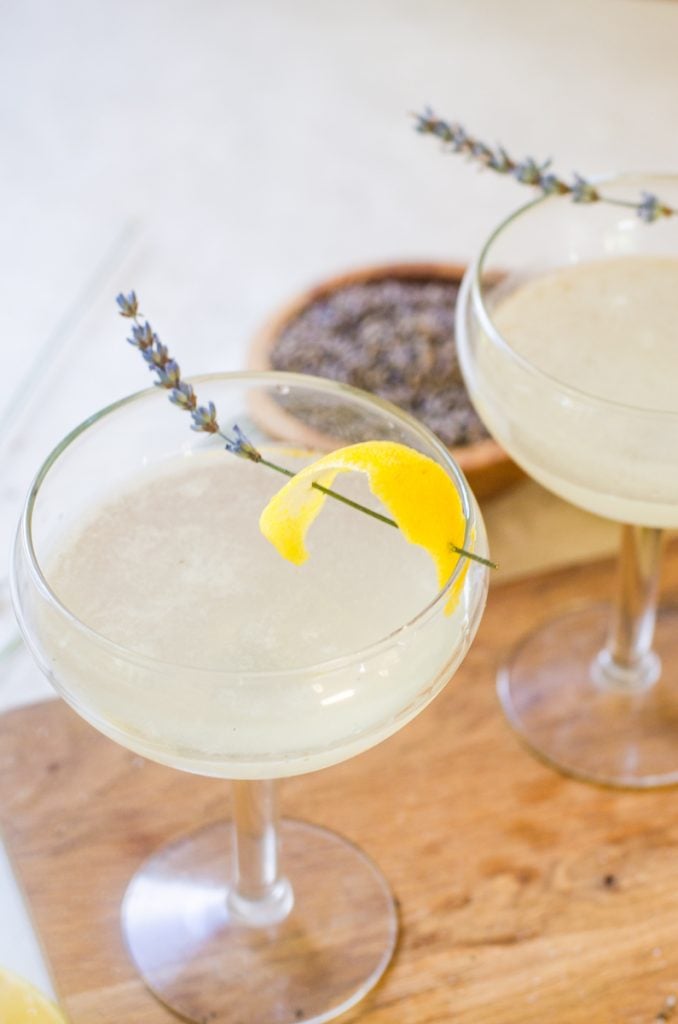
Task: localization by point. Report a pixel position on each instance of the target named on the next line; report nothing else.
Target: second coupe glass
(568, 336)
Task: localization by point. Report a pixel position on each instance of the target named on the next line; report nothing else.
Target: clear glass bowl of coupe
(151, 600)
(567, 329)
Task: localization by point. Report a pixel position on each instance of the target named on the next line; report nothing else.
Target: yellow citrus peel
(20, 1003)
(419, 495)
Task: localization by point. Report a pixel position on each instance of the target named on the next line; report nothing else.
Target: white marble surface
(220, 155)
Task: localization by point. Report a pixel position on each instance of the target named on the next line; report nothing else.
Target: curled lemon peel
(20, 1002)
(420, 496)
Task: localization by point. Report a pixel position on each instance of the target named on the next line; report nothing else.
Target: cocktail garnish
(21, 1003)
(204, 417)
(422, 498)
(531, 172)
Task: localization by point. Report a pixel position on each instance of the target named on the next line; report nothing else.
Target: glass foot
(554, 697)
(199, 960)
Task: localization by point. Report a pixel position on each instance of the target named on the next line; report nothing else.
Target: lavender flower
(205, 418)
(530, 171)
(157, 356)
(142, 337)
(583, 191)
(168, 375)
(242, 446)
(183, 395)
(651, 209)
(128, 304)
(499, 161)
(551, 185)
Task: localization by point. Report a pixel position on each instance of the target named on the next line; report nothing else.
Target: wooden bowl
(485, 464)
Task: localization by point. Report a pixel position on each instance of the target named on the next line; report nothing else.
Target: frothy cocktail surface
(174, 568)
(603, 337)
(609, 329)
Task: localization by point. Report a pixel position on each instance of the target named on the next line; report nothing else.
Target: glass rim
(262, 377)
(477, 291)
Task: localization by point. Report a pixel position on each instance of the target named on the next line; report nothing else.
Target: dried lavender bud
(242, 445)
(183, 395)
(128, 305)
(142, 336)
(169, 376)
(583, 191)
(157, 357)
(652, 209)
(205, 419)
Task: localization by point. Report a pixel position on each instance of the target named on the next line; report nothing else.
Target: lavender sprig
(530, 172)
(168, 375)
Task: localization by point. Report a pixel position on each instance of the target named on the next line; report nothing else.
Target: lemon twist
(21, 1003)
(421, 497)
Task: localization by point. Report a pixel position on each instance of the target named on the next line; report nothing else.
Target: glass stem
(627, 662)
(259, 895)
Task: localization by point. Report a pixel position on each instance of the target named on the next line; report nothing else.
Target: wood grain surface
(525, 897)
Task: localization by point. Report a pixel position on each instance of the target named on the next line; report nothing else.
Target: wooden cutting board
(525, 897)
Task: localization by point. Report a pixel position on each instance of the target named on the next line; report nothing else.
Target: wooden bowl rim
(471, 458)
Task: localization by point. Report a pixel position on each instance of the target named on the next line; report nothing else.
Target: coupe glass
(593, 692)
(252, 920)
